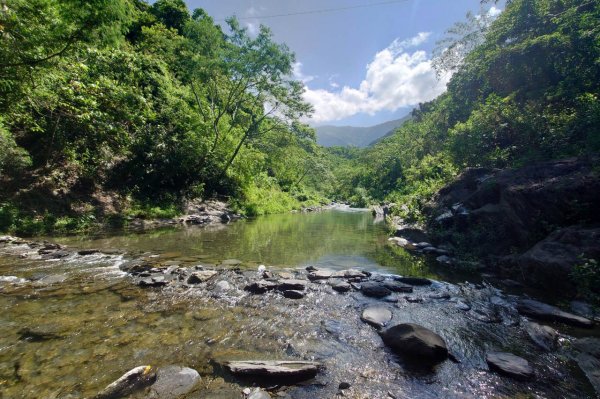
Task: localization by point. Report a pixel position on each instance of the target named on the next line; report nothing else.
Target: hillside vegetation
(525, 88)
(116, 106)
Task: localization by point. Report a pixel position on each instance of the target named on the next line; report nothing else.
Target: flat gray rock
(134, 380)
(320, 275)
(543, 311)
(377, 316)
(173, 382)
(509, 364)
(374, 289)
(274, 370)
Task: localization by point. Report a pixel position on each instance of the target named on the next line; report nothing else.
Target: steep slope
(330, 136)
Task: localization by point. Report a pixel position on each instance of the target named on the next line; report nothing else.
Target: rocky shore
(385, 295)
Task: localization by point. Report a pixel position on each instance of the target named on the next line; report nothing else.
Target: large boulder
(550, 262)
(498, 211)
(416, 343)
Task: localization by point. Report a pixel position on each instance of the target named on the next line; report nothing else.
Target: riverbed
(75, 324)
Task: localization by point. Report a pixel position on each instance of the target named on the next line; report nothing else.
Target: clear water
(102, 325)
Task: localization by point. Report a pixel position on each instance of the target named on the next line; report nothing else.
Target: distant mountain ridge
(329, 136)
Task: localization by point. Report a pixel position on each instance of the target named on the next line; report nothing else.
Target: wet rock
(293, 294)
(201, 276)
(222, 286)
(418, 281)
(52, 254)
(340, 286)
(509, 364)
(84, 252)
(132, 381)
(298, 285)
(351, 274)
(319, 275)
(588, 359)
(544, 336)
(311, 269)
(396, 286)
(173, 382)
(377, 316)
(153, 281)
(374, 289)
(416, 343)
(344, 385)
(413, 299)
(543, 311)
(276, 371)
(260, 287)
(439, 295)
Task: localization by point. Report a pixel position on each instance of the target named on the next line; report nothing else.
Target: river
(77, 323)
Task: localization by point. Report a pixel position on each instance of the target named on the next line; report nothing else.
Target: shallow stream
(79, 322)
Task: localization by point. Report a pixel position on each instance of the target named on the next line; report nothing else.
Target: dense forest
(119, 107)
(124, 107)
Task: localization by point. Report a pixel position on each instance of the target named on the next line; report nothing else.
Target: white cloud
(394, 79)
(253, 28)
(299, 75)
(494, 12)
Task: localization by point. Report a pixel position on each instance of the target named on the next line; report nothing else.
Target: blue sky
(360, 66)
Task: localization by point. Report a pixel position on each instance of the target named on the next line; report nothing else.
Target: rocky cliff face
(535, 222)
